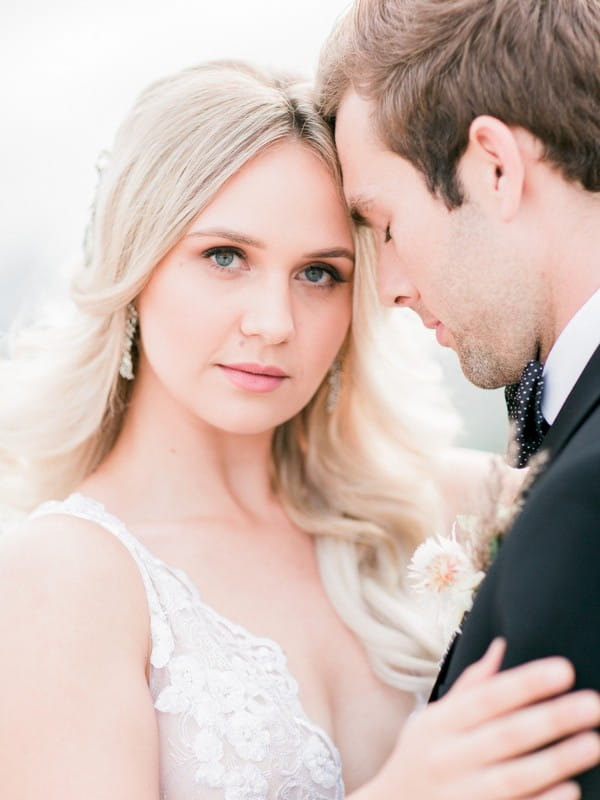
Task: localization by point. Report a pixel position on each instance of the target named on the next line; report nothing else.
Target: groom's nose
(393, 287)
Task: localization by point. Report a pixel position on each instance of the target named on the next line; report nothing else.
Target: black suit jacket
(542, 593)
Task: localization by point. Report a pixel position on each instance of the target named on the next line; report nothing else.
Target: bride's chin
(248, 424)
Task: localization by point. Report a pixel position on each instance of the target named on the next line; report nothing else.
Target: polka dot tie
(524, 403)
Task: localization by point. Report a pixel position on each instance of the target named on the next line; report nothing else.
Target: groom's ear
(493, 167)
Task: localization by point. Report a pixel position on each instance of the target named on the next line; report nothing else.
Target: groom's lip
(441, 335)
(440, 330)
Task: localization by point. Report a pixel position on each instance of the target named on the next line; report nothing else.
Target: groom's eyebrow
(360, 205)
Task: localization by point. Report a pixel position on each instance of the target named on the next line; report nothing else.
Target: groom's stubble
(493, 299)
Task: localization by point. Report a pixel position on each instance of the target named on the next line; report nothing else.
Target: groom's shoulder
(549, 562)
(575, 469)
(561, 513)
(578, 463)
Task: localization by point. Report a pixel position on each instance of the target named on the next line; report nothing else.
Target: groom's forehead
(358, 152)
(354, 124)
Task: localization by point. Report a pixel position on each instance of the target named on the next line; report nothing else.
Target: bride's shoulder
(472, 479)
(74, 663)
(70, 569)
(64, 544)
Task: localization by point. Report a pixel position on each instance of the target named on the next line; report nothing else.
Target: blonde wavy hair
(360, 478)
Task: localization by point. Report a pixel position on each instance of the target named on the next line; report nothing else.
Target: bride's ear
(493, 167)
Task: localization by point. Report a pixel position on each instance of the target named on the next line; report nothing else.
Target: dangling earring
(131, 324)
(335, 384)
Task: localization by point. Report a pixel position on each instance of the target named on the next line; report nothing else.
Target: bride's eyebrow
(334, 252)
(226, 233)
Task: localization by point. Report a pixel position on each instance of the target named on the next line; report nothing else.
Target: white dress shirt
(569, 356)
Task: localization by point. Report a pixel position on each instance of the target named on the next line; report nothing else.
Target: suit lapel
(441, 676)
(584, 397)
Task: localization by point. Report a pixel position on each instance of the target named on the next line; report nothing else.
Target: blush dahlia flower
(443, 574)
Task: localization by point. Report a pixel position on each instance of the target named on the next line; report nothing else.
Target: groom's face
(456, 269)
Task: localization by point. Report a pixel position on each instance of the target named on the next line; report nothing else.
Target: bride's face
(241, 321)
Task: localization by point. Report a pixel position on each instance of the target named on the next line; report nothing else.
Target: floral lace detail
(319, 762)
(230, 721)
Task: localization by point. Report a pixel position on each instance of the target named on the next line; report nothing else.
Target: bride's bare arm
(482, 740)
(76, 716)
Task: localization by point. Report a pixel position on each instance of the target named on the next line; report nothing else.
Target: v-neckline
(196, 598)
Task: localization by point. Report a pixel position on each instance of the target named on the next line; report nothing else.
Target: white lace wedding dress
(229, 718)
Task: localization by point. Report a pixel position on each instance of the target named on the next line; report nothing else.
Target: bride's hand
(482, 740)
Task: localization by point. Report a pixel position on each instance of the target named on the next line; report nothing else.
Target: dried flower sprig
(446, 571)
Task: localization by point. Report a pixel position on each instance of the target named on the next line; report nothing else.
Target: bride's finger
(566, 791)
(505, 692)
(531, 775)
(533, 727)
(487, 666)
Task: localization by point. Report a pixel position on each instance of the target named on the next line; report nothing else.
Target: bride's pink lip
(250, 379)
(257, 369)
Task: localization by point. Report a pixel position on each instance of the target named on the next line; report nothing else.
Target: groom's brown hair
(432, 66)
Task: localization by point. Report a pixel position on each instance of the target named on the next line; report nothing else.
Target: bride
(229, 472)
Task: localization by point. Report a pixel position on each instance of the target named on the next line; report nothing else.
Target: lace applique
(234, 715)
(229, 717)
(321, 766)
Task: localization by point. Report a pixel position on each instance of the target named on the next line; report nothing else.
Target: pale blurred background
(70, 69)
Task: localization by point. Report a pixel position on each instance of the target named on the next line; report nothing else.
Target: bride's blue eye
(314, 274)
(224, 258)
(321, 276)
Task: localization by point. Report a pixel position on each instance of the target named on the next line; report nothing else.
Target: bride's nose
(268, 312)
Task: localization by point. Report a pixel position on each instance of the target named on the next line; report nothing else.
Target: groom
(469, 138)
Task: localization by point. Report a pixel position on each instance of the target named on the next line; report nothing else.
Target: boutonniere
(445, 574)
